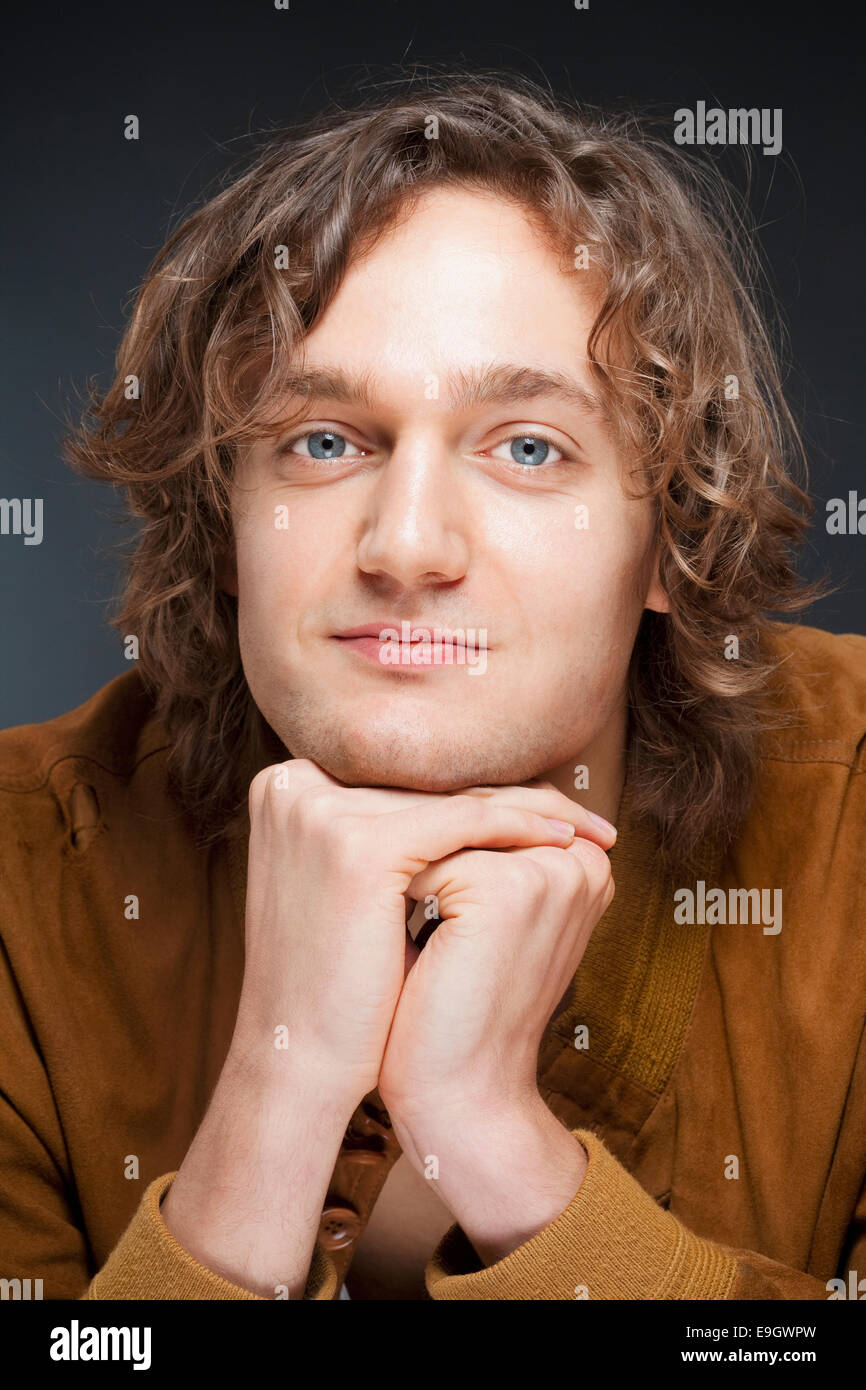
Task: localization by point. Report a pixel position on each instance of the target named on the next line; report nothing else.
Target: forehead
(445, 229)
(461, 276)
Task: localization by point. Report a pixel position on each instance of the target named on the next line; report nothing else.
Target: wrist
(504, 1174)
(449, 1120)
(247, 1199)
(289, 1081)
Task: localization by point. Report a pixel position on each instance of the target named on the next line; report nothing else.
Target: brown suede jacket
(721, 1097)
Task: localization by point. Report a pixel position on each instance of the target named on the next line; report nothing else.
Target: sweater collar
(607, 1057)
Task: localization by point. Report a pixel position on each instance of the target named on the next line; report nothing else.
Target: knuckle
(257, 788)
(528, 878)
(313, 807)
(473, 808)
(345, 844)
(596, 863)
(570, 873)
(534, 823)
(293, 775)
(262, 786)
(599, 878)
(353, 849)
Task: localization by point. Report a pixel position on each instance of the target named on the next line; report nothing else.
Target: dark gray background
(87, 210)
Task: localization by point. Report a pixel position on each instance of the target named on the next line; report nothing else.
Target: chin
(406, 772)
(421, 749)
(414, 753)
(432, 760)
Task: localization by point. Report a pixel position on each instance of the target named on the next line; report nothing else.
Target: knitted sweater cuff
(148, 1262)
(612, 1241)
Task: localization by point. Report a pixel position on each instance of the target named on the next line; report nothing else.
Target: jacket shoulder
(114, 730)
(820, 688)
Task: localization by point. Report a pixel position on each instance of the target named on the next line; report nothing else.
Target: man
(461, 465)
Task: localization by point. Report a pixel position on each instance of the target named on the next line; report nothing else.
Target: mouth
(416, 645)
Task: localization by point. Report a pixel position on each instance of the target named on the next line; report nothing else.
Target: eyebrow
(495, 384)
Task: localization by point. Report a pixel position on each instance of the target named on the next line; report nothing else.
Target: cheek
(261, 574)
(270, 553)
(265, 578)
(595, 571)
(583, 600)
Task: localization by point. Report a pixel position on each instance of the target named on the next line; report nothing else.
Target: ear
(226, 572)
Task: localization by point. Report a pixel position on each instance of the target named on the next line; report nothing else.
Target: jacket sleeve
(42, 1233)
(613, 1241)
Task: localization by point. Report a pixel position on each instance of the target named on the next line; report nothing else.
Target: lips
(406, 632)
(413, 646)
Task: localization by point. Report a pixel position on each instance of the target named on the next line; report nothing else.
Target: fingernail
(562, 827)
(605, 824)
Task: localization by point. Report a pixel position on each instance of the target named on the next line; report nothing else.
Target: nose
(416, 531)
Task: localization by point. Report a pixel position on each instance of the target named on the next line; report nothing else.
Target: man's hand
(330, 873)
(327, 892)
(459, 1072)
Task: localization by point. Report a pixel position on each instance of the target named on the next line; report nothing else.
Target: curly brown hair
(221, 312)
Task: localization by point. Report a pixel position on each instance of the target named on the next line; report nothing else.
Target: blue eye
(323, 444)
(529, 450)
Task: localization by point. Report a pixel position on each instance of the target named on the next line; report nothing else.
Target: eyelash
(522, 468)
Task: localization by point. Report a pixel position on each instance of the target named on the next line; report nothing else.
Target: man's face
(440, 502)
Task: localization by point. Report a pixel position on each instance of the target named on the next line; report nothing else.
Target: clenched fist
(330, 873)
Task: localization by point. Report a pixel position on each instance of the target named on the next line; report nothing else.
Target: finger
(592, 857)
(546, 800)
(540, 798)
(429, 832)
(481, 869)
(298, 775)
